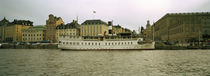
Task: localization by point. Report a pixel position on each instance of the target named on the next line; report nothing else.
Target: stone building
(3, 23)
(182, 27)
(34, 34)
(94, 28)
(51, 25)
(13, 31)
(71, 29)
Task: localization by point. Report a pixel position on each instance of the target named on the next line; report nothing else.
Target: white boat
(103, 43)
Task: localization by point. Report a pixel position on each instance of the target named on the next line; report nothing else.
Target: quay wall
(49, 46)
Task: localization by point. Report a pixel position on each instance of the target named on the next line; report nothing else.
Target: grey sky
(128, 13)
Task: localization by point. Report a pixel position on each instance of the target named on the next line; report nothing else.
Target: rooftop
(73, 24)
(88, 22)
(38, 27)
(23, 22)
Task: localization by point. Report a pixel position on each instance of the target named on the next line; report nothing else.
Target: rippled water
(46, 62)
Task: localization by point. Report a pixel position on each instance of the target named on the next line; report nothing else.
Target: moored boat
(104, 43)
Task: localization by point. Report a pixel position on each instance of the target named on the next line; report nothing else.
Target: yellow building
(94, 28)
(3, 24)
(183, 27)
(13, 32)
(70, 29)
(51, 25)
(34, 34)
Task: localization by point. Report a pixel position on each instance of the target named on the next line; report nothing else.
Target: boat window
(92, 43)
(122, 43)
(105, 43)
(109, 43)
(77, 43)
(95, 43)
(81, 43)
(66, 42)
(125, 43)
(112, 43)
(119, 43)
(63, 42)
(131, 42)
(98, 43)
(88, 43)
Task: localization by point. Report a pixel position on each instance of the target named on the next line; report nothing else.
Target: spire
(148, 23)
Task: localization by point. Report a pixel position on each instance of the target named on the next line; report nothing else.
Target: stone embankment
(13, 46)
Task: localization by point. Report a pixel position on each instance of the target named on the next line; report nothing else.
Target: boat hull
(106, 45)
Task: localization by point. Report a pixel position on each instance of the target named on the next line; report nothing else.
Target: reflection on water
(42, 62)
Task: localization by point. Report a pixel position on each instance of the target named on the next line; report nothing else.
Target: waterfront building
(183, 27)
(3, 23)
(34, 34)
(13, 31)
(71, 29)
(51, 25)
(94, 28)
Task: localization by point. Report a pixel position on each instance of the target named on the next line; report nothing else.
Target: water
(46, 62)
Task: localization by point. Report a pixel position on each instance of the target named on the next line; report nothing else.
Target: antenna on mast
(94, 12)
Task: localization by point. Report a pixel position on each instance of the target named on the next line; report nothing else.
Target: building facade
(94, 28)
(51, 25)
(182, 27)
(34, 34)
(13, 32)
(71, 29)
(3, 24)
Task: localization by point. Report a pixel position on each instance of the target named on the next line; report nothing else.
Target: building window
(186, 29)
(193, 30)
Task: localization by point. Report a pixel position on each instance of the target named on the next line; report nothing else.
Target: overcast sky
(127, 13)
